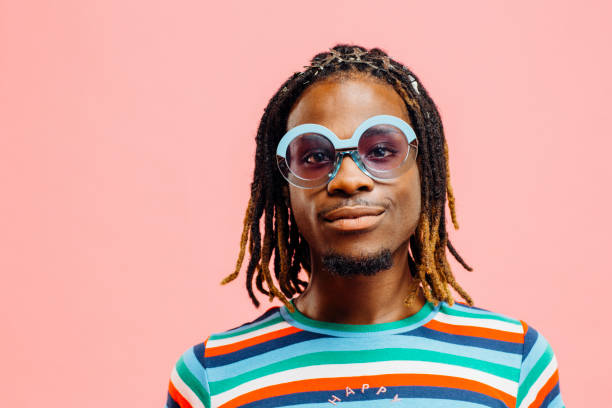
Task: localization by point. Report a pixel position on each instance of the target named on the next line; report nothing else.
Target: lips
(354, 218)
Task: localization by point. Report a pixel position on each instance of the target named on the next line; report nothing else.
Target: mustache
(352, 203)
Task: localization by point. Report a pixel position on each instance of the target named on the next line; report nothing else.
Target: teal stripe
(192, 382)
(366, 356)
(534, 374)
(460, 313)
(363, 328)
(357, 345)
(274, 319)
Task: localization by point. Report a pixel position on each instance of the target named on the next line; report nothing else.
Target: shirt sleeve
(539, 375)
(188, 387)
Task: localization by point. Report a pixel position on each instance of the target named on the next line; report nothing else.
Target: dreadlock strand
(426, 268)
(458, 257)
(281, 225)
(254, 252)
(243, 242)
(449, 190)
(439, 285)
(455, 285)
(266, 253)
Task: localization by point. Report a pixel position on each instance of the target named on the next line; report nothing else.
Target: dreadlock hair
(282, 242)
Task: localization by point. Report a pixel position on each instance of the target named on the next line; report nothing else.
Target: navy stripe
(198, 350)
(497, 345)
(170, 403)
(530, 338)
(403, 393)
(551, 395)
(275, 344)
(268, 312)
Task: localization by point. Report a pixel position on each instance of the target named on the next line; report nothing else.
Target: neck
(361, 299)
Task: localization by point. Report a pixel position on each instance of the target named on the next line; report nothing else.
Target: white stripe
(537, 386)
(366, 369)
(185, 391)
(479, 322)
(229, 340)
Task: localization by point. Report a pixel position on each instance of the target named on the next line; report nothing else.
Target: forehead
(341, 104)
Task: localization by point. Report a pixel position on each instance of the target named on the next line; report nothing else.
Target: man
(351, 180)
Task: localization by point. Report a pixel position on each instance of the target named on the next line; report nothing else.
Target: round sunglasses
(383, 147)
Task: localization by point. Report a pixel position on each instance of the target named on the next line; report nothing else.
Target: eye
(316, 157)
(381, 151)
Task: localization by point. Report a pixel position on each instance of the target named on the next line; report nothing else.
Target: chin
(363, 264)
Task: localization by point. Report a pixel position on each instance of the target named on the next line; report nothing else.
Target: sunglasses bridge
(340, 154)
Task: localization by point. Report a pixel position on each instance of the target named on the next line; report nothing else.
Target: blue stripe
(498, 345)
(538, 349)
(247, 352)
(275, 355)
(194, 365)
(409, 396)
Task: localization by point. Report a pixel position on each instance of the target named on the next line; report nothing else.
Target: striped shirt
(442, 356)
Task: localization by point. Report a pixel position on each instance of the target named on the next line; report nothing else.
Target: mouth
(356, 218)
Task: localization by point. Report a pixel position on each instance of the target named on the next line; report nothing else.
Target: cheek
(409, 200)
(301, 209)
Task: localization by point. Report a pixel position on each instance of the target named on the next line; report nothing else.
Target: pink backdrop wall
(118, 221)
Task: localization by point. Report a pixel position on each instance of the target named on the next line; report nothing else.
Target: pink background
(126, 144)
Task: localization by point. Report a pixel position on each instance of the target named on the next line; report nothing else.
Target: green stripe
(192, 382)
(366, 356)
(238, 332)
(364, 328)
(534, 374)
(460, 313)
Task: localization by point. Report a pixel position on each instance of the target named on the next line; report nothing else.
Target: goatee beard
(367, 265)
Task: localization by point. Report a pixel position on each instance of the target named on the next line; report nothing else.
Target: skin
(341, 104)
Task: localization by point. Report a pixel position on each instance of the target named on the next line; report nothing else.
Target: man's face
(354, 215)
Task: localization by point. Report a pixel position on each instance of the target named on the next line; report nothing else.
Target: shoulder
(476, 323)
(536, 354)
(216, 343)
(189, 378)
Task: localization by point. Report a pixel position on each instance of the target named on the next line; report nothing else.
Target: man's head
(340, 90)
(386, 213)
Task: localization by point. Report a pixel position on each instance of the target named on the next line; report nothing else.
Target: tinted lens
(310, 156)
(383, 147)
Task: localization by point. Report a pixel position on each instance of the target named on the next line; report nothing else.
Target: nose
(349, 179)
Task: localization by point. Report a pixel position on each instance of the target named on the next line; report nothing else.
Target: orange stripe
(177, 397)
(475, 331)
(229, 348)
(546, 389)
(525, 328)
(375, 381)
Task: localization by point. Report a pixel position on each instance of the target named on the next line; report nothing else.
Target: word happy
(365, 388)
